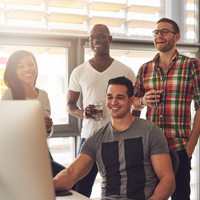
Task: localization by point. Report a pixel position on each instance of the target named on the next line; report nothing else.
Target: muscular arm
(72, 107)
(77, 170)
(194, 134)
(163, 168)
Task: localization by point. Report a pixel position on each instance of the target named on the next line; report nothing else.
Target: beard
(167, 47)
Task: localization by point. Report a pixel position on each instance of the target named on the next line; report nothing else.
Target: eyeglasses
(99, 36)
(163, 32)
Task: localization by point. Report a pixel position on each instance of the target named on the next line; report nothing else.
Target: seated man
(131, 153)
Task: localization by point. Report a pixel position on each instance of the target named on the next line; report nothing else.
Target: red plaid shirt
(180, 85)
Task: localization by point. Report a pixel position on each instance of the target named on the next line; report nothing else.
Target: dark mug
(160, 93)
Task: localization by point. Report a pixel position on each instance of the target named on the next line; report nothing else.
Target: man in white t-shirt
(89, 80)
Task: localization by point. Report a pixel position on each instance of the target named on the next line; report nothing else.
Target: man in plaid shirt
(167, 85)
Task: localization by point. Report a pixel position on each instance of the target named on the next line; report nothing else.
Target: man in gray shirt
(131, 153)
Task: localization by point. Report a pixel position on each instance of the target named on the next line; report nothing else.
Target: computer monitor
(25, 172)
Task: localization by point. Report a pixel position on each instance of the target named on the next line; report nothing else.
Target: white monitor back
(25, 172)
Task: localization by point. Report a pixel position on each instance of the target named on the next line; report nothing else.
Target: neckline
(101, 72)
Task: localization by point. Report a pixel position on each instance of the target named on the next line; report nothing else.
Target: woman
(20, 77)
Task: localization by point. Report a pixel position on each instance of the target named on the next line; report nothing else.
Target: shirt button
(160, 116)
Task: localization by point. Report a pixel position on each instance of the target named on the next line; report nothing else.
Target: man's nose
(114, 100)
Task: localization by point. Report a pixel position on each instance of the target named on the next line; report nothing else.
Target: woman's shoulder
(42, 92)
(7, 95)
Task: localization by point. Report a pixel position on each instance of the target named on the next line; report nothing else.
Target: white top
(42, 97)
(92, 86)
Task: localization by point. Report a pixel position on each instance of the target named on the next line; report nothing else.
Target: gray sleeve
(89, 147)
(158, 141)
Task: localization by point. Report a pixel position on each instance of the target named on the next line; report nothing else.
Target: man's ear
(110, 39)
(177, 36)
(132, 98)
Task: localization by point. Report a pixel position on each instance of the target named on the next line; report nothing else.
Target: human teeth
(27, 74)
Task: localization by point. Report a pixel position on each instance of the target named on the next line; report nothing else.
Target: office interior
(56, 32)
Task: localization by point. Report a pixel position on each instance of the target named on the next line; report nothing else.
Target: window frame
(76, 47)
(75, 55)
(60, 130)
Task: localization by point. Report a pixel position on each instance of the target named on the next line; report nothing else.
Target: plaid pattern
(180, 84)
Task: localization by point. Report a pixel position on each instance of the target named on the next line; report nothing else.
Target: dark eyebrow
(119, 95)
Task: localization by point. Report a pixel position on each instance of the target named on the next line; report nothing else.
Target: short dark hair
(103, 27)
(173, 23)
(122, 80)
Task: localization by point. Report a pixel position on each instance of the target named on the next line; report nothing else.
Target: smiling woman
(20, 76)
(52, 69)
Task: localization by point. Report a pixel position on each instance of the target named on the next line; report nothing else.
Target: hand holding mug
(153, 98)
(94, 111)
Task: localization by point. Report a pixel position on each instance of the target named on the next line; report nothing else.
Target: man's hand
(152, 98)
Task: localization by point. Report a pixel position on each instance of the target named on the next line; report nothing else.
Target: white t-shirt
(92, 86)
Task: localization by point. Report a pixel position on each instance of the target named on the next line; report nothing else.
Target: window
(55, 31)
(51, 80)
(126, 18)
(53, 70)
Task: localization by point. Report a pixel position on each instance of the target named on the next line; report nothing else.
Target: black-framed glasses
(163, 32)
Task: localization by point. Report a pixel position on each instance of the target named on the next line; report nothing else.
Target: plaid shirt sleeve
(139, 89)
(196, 82)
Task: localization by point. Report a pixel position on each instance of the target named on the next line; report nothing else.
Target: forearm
(64, 180)
(164, 189)
(76, 171)
(75, 111)
(195, 132)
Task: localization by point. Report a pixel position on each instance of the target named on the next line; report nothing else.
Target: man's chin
(116, 116)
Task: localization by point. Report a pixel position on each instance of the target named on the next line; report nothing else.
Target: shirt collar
(157, 56)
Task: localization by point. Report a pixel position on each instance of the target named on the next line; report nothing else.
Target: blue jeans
(182, 191)
(84, 186)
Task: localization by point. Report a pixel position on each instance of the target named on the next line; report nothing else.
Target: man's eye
(165, 31)
(120, 98)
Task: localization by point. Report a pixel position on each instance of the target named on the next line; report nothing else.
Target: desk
(74, 196)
